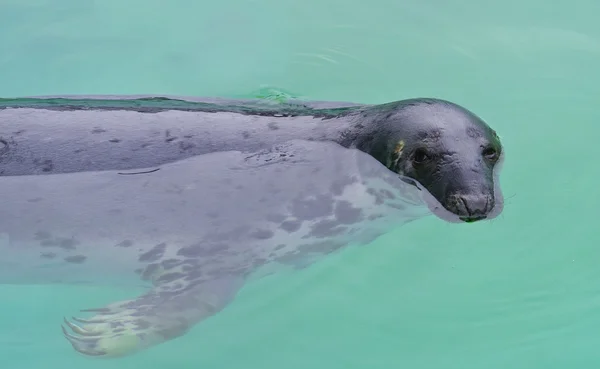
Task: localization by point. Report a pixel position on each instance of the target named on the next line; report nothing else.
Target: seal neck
(368, 133)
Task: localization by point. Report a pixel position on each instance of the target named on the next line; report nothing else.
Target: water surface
(518, 292)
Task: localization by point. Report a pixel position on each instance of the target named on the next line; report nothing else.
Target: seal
(174, 194)
(448, 149)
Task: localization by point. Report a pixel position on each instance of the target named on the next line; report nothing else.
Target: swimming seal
(445, 147)
(194, 198)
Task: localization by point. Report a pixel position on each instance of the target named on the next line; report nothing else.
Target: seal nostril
(471, 206)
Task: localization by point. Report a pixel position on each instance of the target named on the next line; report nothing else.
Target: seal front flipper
(165, 312)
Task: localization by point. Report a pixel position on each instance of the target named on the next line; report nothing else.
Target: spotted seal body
(195, 223)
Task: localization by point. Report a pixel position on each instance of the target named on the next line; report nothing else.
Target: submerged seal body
(194, 198)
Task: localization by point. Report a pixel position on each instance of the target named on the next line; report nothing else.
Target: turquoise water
(521, 291)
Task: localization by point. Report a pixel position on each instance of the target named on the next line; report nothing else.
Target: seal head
(444, 148)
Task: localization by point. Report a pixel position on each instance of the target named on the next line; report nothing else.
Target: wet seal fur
(215, 190)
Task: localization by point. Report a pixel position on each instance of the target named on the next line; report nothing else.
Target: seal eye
(490, 154)
(420, 156)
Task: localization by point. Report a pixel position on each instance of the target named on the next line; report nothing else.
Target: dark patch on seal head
(312, 207)
(154, 253)
(473, 132)
(345, 213)
(432, 135)
(75, 259)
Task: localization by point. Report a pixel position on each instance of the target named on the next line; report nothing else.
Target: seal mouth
(460, 208)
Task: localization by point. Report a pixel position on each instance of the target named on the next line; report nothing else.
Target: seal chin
(464, 208)
(453, 216)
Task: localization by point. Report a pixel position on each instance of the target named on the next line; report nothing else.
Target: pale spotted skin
(195, 231)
